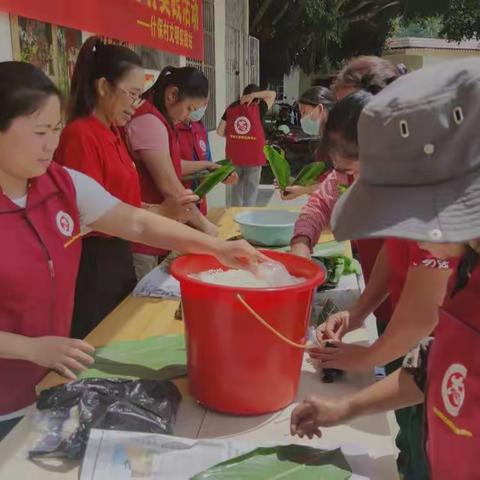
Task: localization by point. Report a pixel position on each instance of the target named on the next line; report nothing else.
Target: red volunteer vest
(150, 193)
(245, 136)
(453, 392)
(37, 275)
(193, 141)
(193, 146)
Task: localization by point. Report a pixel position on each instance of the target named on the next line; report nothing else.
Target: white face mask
(198, 114)
(310, 126)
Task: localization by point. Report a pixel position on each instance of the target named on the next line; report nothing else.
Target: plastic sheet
(68, 412)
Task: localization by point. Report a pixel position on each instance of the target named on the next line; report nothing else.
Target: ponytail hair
(316, 96)
(97, 60)
(190, 82)
(366, 72)
(467, 265)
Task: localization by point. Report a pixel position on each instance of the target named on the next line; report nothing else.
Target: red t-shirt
(403, 254)
(90, 147)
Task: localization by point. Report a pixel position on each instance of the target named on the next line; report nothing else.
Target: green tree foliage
(317, 35)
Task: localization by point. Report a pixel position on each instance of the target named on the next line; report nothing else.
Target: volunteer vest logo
(242, 125)
(453, 388)
(203, 146)
(65, 223)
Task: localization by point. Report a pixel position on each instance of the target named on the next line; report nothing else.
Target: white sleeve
(93, 200)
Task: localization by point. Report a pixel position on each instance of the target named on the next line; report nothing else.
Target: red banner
(170, 25)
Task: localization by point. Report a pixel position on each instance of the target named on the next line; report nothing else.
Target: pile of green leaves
(338, 266)
(309, 174)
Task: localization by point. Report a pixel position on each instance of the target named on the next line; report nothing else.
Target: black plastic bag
(139, 406)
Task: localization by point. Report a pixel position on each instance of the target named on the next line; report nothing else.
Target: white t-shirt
(93, 200)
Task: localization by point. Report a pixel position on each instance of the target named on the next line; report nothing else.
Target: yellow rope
(457, 431)
(303, 346)
(72, 240)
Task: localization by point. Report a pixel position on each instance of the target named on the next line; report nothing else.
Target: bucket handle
(303, 346)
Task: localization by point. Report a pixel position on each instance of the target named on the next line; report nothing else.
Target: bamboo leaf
(295, 462)
(213, 179)
(309, 174)
(154, 358)
(279, 165)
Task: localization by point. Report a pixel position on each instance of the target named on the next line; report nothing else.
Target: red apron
(150, 193)
(37, 275)
(453, 392)
(193, 140)
(245, 136)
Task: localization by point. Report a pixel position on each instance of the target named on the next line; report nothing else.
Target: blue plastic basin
(269, 228)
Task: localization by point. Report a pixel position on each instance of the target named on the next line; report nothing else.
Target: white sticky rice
(268, 275)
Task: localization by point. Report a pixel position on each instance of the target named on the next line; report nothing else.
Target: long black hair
(344, 116)
(469, 262)
(190, 82)
(318, 95)
(23, 90)
(97, 60)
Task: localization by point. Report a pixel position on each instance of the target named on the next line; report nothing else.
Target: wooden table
(138, 318)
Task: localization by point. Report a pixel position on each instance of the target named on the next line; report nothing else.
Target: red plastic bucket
(236, 364)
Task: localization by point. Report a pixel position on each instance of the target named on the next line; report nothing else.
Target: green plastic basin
(268, 228)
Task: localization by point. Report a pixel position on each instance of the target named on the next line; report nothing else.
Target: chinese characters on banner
(173, 21)
(170, 25)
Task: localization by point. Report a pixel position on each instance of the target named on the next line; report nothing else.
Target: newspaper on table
(158, 283)
(127, 455)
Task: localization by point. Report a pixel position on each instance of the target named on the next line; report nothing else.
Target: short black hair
(318, 95)
(251, 88)
(344, 116)
(23, 90)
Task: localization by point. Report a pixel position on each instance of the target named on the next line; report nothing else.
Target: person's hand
(334, 328)
(300, 249)
(315, 412)
(294, 191)
(206, 226)
(65, 355)
(239, 254)
(232, 179)
(211, 165)
(247, 99)
(342, 356)
(178, 207)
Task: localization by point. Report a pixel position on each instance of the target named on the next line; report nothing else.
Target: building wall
(415, 59)
(295, 83)
(6, 51)
(217, 198)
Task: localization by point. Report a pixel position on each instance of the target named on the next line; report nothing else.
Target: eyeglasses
(134, 97)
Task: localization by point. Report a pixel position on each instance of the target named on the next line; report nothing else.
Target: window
(208, 64)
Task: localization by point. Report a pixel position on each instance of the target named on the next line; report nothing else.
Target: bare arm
(221, 128)
(66, 355)
(165, 178)
(268, 96)
(398, 390)
(193, 166)
(415, 316)
(13, 346)
(137, 225)
(375, 292)
(160, 167)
